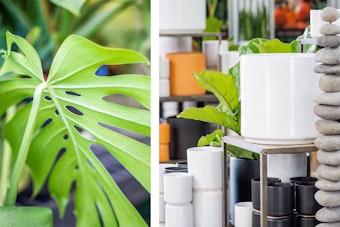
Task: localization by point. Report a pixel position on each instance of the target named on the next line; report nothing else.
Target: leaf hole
(47, 122)
(47, 98)
(124, 100)
(56, 112)
(72, 93)
(74, 110)
(85, 134)
(65, 137)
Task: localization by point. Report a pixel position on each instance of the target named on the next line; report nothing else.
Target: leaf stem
(24, 147)
(6, 160)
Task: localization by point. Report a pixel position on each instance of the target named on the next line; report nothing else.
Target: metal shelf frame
(263, 150)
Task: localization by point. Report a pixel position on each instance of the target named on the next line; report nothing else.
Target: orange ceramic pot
(164, 133)
(182, 67)
(164, 153)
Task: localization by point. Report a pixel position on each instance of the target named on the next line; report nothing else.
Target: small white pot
(228, 60)
(182, 15)
(277, 93)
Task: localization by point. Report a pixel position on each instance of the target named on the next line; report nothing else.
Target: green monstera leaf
(65, 115)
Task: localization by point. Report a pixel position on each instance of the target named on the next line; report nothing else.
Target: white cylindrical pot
(228, 60)
(177, 188)
(205, 165)
(161, 175)
(277, 93)
(164, 68)
(170, 109)
(161, 208)
(170, 44)
(212, 48)
(207, 208)
(179, 215)
(164, 87)
(182, 16)
(243, 214)
(286, 166)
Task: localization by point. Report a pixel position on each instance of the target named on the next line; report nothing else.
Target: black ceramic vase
(241, 173)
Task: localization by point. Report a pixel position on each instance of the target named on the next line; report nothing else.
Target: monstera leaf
(60, 118)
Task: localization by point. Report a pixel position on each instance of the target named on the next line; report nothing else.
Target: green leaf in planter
(275, 46)
(238, 152)
(213, 139)
(222, 86)
(212, 115)
(15, 216)
(69, 117)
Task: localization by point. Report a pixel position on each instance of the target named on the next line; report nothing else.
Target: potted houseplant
(226, 87)
(58, 118)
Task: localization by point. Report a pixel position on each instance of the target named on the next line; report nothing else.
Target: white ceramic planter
(228, 60)
(182, 15)
(277, 93)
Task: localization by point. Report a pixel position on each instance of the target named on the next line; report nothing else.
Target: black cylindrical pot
(256, 189)
(185, 133)
(285, 221)
(182, 164)
(306, 221)
(241, 173)
(280, 199)
(295, 180)
(305, 202)
(173, 169)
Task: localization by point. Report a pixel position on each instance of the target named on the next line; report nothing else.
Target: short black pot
(241, 173)
(272, 222)
(296, 180)
(306, 221)
(256, 189)
(184, 133)
(280, 199)
(305, 202)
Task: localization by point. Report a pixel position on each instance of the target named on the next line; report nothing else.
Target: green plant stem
(6, 161)
(24, 147)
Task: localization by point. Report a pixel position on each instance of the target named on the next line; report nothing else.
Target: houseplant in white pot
(226, 88)
(64, 115)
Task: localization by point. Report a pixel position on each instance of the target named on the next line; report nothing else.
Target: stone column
(328, 109)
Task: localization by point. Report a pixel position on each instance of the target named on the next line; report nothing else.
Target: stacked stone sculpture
(328, 109)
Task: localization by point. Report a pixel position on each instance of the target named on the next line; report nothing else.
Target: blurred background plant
(46, 23)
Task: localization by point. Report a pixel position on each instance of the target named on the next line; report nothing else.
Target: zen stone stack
(328, 108)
